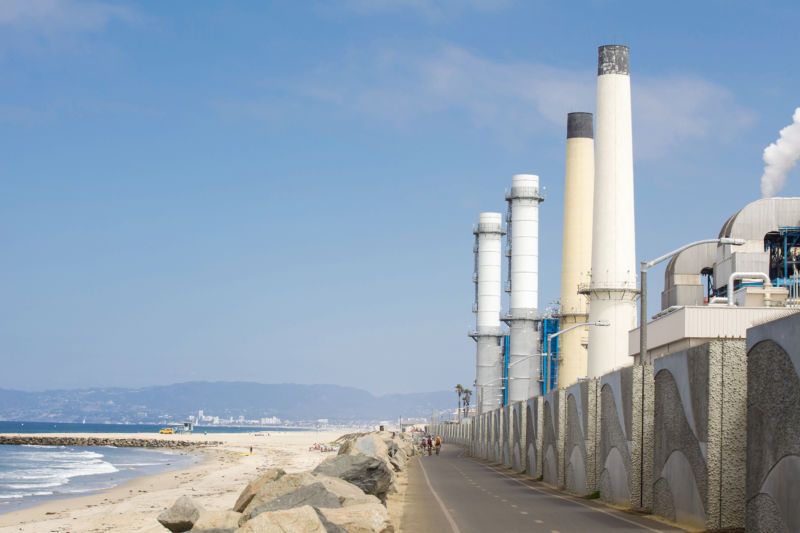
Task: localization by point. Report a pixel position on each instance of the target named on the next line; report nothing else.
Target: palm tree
(459, 391)
(467, 395)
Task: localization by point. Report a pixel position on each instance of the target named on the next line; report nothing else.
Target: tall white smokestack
(613, 280)
(576, 258)
(488, 279)
(523, 247)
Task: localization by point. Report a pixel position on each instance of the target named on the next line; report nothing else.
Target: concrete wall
(625, 437)
(553, 422)
(773, 426)
(505, 436)
(699, 452)
(518, 428)
(668, 438)
(533, 437)
(580, 437)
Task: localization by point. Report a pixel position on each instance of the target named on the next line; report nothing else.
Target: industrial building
(714, 290)
(692, 413)
(711, 290)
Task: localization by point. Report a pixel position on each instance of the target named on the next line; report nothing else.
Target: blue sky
(285, 191)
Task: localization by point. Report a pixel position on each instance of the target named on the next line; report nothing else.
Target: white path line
(592, 507)
(453, 525)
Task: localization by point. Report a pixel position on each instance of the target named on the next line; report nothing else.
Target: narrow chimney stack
(523, 252)
(488, 290)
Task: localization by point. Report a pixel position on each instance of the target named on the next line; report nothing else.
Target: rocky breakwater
(344, 494)
(102, 441)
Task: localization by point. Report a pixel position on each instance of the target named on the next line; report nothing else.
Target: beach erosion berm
(347, 492)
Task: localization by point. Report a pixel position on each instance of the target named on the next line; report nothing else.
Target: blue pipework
(783, 247)
(549, 356)
(506, 343)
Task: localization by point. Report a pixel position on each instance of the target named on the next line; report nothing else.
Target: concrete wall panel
(518, 436)
(553, 438)
(614, 438)
(580, 438)
(773, 426)
(699, 451)
(505, 438)
(533, 437)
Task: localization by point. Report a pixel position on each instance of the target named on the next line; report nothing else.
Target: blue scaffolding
(783, 247)
(549, 366)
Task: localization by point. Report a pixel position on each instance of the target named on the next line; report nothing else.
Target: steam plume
(781, 157)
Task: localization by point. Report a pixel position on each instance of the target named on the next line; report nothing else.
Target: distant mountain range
(222, 399)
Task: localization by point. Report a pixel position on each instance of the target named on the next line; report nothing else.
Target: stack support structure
(488, 289)
(612, 289)
(523, 285)
(576, 261)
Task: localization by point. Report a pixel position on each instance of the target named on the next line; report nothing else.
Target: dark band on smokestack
(613, 59)
(579, 125)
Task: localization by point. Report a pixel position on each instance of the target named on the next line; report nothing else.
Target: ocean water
(67, 427)
(32, 474)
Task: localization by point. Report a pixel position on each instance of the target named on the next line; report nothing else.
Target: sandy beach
(215, 483)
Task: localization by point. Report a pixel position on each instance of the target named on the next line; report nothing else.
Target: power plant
(686, 414)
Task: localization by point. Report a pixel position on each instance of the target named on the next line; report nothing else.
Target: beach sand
(215, 484)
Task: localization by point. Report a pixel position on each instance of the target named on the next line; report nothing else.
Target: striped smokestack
(576, 259)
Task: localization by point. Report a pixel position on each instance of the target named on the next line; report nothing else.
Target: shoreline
(216, 482)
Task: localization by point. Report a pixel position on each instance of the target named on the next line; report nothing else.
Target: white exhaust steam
(781, 157)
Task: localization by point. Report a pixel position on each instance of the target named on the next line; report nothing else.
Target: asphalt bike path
(454, 493)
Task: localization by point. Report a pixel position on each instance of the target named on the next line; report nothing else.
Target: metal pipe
(643, 285)
(745, 275)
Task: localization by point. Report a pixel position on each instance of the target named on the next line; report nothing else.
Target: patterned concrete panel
(518, 436)
(698, 454)
(497, 435)
(579, 455)
(773, 426)
(533, 437)
(553, 438)
(615, 437)
(505, 439)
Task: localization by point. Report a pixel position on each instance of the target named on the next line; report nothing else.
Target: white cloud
(515, 99)
(61, 15)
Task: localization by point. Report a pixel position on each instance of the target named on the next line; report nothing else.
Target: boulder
(397, 463)
(348, 493)
(370, 474)
(181, 516)
(391, 446)
(364, 518)
(330, 527)
(315, 495)
(299, 519)
(250, 490)
(369, 444)
(278, 487)
(217, 520)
